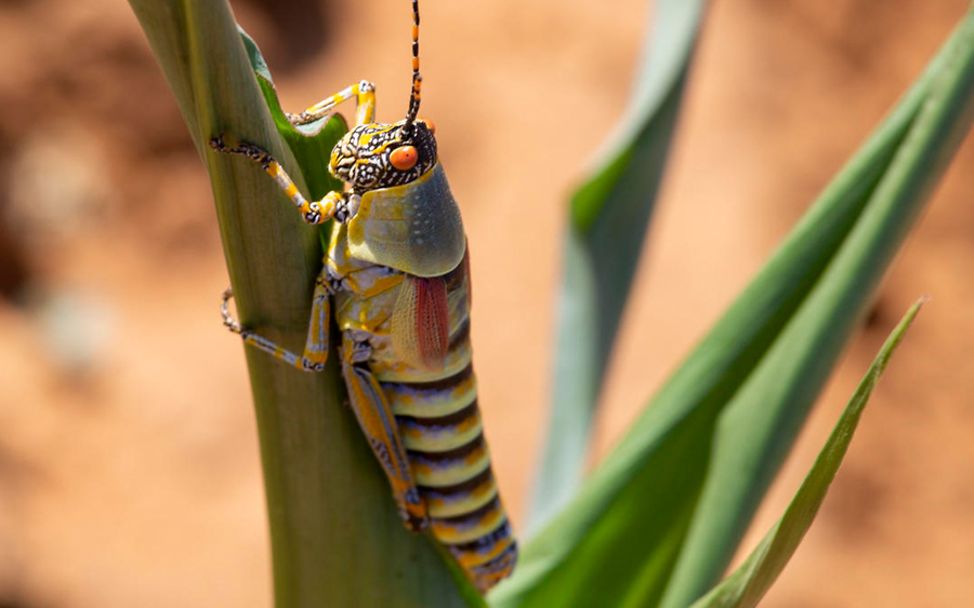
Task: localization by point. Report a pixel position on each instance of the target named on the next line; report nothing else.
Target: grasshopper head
(375, 155)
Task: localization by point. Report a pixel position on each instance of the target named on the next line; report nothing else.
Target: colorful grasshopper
(397, 273)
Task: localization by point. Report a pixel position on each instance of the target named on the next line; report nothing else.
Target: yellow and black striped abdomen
(440, 425)
(436, 412)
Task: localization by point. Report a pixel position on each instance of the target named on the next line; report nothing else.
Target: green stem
(336, 538)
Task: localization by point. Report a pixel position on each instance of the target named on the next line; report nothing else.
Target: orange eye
(429, 125)
(404, 158)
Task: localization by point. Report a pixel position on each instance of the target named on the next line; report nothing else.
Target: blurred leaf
(608, 218)
(748, 584)
(324, 488)
(761, 421)
(658, 521)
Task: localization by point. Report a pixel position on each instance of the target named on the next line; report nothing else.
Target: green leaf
(761, 421)
(336, 538)
(609, 215)
(311, 143)
(748, 584)
(660, 518)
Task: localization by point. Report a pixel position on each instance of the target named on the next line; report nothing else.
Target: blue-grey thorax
(414, 228)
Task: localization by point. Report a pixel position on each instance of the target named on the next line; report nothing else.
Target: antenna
(414, 96)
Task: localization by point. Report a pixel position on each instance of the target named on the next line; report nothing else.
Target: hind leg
(378, 423)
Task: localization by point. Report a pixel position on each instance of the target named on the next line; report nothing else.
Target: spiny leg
(314, 212)
(378, 423)
(333, 204)
(316, 347)
(364, 94)
(371, 408)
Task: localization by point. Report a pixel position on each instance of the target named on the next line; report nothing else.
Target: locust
(396, 276)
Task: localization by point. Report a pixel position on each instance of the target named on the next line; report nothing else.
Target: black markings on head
(361, 157)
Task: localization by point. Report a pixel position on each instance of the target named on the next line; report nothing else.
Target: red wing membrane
(421, 323)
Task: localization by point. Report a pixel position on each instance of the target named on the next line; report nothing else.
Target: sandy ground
(129, 473)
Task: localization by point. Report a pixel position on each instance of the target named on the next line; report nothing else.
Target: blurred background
(129, 472)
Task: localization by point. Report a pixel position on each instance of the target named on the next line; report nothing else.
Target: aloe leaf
(762, 420)
(746, 586)
(658, 521)
(336, 539)
(609, 215)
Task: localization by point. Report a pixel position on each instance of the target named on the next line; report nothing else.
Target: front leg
(314, 212)
(364, 94)
(340, 205)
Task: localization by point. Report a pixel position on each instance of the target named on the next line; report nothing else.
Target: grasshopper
(397, 275)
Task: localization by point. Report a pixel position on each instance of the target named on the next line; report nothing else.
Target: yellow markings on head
(366, 138)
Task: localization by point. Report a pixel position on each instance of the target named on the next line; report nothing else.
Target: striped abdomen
(440, 425)
(435, 408)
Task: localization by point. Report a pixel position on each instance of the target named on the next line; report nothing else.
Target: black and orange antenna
(414, 96)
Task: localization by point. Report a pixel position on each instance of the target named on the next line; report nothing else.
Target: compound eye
(404, 158)
(429, 125)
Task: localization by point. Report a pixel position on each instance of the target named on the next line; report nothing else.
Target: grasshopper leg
(313, 212)
(316, 347)
(364, 94)
(371, 408)
(334, 203)
(378, 423)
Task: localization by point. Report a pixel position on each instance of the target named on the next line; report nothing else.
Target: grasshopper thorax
(376, 155)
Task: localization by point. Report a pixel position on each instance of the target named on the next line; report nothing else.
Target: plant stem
(336, 539)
